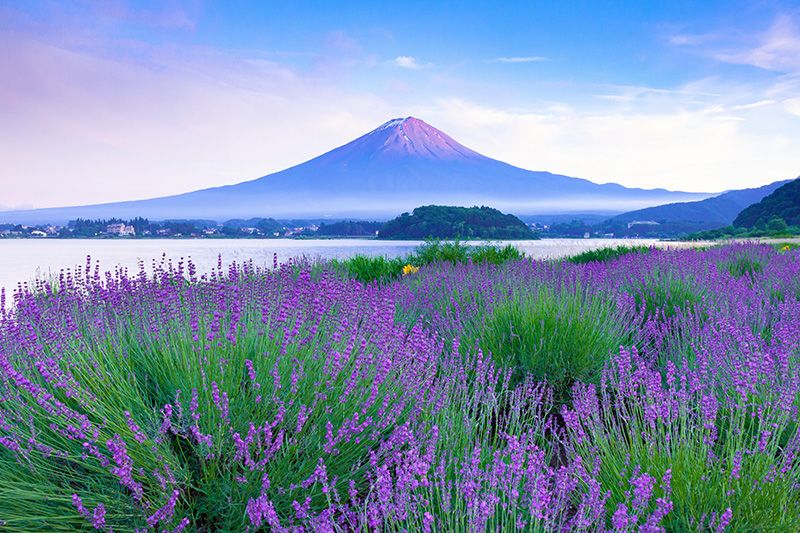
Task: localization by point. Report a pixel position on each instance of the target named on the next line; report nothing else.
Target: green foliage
(560, 337)
(699, 452)
(349, 228)
(495, 255)
(731, 232)
(435, 251)
(663, 296)
(606, 254)
(743, 264)
(448, 222)
(777, 225)
(783, 205)
(367, 269)
(786, 246)
(573, 228)
(382, 269)
(139, 375)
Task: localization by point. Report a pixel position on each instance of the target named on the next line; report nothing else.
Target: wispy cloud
(632, 93)
(519, 59)
(409, 62)
(753, 105)
(690, 40)
(775, 49)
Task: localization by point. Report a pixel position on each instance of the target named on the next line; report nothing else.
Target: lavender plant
(296, 399)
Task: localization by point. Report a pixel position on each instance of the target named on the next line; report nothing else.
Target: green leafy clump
(606, 254)
(382, 269)
(743, 264)
(495, 255)
(435, 251)
(368, 269)
(556, 336)
(665, 296)
(786, 246)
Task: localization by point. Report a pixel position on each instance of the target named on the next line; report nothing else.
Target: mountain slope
(701, 215)
(402, 164)
(783, 203)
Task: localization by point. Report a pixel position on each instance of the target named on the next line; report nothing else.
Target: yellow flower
(410, 269)
(786, 248)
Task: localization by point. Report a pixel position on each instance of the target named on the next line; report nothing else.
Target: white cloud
(86, 123)
(522, 59)
(686, 39)
(792, 105)
(678, 149)
(407, 62)
(753, 105)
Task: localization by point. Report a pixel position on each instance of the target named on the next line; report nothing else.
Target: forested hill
(448, 222)
(783, 203)
(686, 217)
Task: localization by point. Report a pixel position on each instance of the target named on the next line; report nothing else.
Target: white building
(120, 230)
(642, 223)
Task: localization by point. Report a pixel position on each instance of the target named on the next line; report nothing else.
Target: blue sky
(114, 100)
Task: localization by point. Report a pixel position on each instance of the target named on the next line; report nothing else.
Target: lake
(25, 259)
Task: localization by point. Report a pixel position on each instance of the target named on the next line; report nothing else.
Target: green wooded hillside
(449, 222)
(783, 204)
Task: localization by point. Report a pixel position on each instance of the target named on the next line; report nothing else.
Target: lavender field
(654, 391)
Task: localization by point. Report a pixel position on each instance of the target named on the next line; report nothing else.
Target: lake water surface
(25, 259)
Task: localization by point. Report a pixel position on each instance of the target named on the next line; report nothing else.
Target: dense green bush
(366, 268)
(379, 268)
(606, 254)
(555, 336)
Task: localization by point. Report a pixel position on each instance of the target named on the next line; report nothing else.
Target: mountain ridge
(782, 203)
(401, 164)
(710, 213)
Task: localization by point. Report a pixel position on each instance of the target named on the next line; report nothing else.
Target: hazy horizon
(115, 101)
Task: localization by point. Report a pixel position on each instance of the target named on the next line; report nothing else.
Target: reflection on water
(24, 259)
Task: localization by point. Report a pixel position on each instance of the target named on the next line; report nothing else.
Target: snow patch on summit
(391, 124)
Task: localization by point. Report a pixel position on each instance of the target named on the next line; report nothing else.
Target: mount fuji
(401, 164)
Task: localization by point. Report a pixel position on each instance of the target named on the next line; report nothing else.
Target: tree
(777, 225)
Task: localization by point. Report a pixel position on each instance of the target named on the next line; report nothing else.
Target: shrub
(744, 261)
(367, 269)
(606, 254)
(728, 456)
(495, 255)
(664, 296)
(555, 336)
(435, 251)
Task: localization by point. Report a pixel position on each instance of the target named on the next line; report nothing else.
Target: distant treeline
(354, 228)
(442, 222)
(234, 228)
(253, 227)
